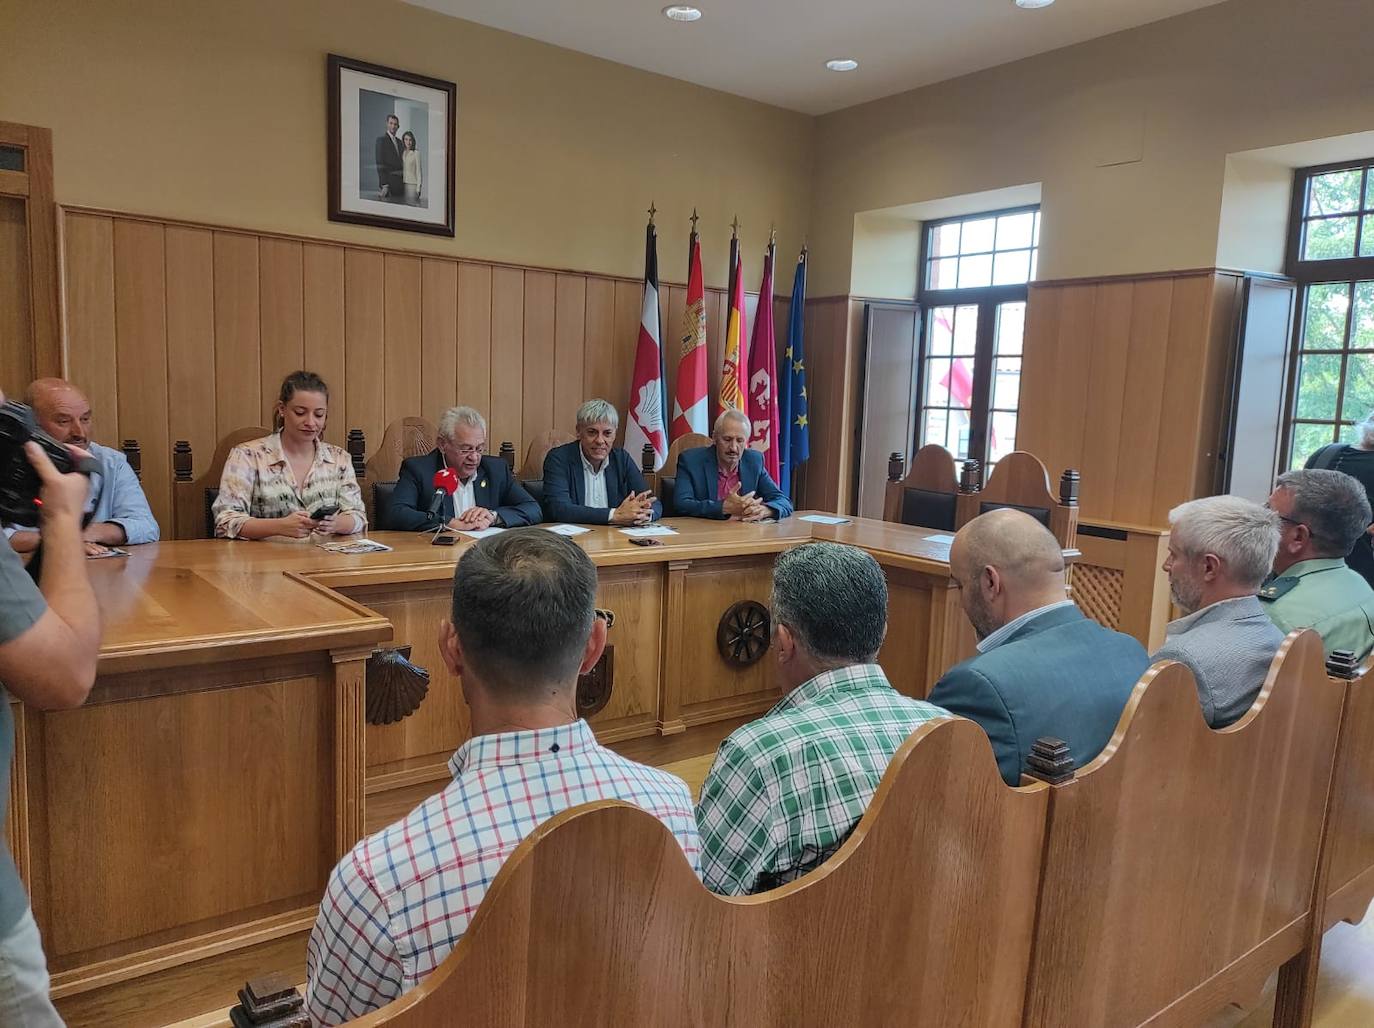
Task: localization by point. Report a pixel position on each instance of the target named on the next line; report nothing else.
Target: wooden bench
(1350, 885)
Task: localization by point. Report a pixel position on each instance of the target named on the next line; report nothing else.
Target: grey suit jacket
(1228, 646)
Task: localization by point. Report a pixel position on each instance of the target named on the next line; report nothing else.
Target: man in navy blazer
(488, 494)
(727, 480)
(591, 481)
(1042, 669)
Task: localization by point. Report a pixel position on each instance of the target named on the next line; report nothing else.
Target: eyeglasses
(1284, 517)
(468, 451)
(607, 616)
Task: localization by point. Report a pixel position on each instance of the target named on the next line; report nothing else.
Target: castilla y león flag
(644, 423)
(763, 372)
(689, 395)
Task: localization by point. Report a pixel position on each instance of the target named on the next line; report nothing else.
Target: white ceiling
(775, 50)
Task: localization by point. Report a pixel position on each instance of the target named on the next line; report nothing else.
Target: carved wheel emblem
(743, 633)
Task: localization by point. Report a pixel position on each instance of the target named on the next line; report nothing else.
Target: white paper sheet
(567, 529)
(483, 533)
(650, 530)
(823, 519)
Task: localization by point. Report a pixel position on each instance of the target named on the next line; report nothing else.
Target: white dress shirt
(463, 498)
(995, 639)
(594, 482)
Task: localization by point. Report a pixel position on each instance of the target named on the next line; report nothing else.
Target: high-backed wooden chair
(1181, 864)
(928, 495)
(1350, 886)
(531, 473)
(924, 916)
(404, 437)
(1019, 480)
(664, 482)
(192, 498)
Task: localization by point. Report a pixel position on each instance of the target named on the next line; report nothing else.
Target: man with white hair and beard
(1220, 550)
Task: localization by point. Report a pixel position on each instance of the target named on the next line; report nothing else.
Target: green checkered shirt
(786, 790)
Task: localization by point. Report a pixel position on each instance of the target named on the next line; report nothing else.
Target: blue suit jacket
(565, 487)
(694, 492)
(495, 488)
(1061, 675)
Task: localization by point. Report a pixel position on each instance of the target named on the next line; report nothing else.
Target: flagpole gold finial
(652, 211)
(772, 234)
(734, 228)
(694, 219)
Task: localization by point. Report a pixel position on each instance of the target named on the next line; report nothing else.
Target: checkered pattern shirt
(786, 790)
(401, 900)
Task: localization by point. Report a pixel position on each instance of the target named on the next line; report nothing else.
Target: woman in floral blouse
(273, 486)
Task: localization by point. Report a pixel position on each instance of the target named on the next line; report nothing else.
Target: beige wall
(1182, 93)
(215, 112)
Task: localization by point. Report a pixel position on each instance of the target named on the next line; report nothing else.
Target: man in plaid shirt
(786, 790)
(524, 627)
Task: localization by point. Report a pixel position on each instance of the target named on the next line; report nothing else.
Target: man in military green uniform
(1322, 513)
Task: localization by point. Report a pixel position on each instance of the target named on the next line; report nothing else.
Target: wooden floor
(189, 998)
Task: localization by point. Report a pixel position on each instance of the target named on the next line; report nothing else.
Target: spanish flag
(733, 391)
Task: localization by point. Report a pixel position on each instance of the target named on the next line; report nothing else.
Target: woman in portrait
(410, 169)
(291, 483)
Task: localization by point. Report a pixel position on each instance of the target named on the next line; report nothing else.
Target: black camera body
(19, 482)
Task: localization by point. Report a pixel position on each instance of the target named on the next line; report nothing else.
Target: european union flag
(793, 430)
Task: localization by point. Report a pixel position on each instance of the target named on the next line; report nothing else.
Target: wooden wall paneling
(569, 353)
(141, 348)
(324, 333)
(541, 290)
(238, 378)
(1103, 433)
(402, 353)
(43, 248)
(281, 286)
(1180, 397)
(629, 305)
(18, 360)
(90, 344)
(1142, 407)
(364, 341)
(473, 386)
(190, 288)
(508, 360)
(853, 356)
(598, 348)
(1039, 390)
(1220, 334)
(1073, 358)
(438, 336)
(717, 313)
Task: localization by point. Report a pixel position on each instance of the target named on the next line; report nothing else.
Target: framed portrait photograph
(390, 148)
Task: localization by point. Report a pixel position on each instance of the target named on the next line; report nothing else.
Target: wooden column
(349, 746)
(674, 616)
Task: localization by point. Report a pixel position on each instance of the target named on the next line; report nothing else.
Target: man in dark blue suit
(488, 494)
(1042, 669)
(591, 481)
(727, 480)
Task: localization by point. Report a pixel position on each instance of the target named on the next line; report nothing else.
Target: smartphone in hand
(325, 512)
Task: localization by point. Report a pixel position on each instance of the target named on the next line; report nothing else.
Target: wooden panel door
(30, 343)
(887, 419)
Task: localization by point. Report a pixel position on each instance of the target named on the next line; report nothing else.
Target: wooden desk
(196, 804)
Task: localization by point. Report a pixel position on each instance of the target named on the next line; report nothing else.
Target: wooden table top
(179, 603)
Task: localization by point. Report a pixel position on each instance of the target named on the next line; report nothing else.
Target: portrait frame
(399, 177)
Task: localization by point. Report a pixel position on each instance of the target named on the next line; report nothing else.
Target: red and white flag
(690, 394)
(644, 423)
(763, 373)
(734, 394)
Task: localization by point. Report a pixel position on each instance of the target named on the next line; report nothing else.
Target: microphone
(445, 484)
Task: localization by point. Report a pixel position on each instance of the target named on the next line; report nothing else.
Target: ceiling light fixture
(842, 64)
(681, 12)
(1032, 5)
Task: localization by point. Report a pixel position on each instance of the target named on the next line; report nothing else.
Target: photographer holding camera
(49, 643)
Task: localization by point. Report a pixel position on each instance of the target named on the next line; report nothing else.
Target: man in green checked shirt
(786, 790)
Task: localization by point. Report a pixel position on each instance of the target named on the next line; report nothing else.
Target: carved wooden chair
(1019, 480)
(1350, 886)
(531, 473)
(928, 494)
(193, 497)
(597, 918)
(664, 482)
(404, 437)
(1180, 865)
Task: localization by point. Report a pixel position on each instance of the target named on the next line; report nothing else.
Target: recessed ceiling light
(842, 64)
(681, 12)
(1032, 5)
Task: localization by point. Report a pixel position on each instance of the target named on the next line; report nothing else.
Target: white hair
(1364, 432)
(1241, 533)
(730, 414)
(594, 412)
(455, 416)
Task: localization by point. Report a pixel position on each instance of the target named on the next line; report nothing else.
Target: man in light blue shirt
(118, 511)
